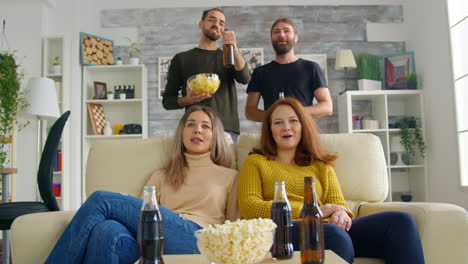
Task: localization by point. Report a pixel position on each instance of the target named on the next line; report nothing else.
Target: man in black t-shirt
(287, 76)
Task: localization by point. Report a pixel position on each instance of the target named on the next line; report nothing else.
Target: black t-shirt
(298, 79)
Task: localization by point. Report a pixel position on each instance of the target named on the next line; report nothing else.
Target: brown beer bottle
(228, 55)
(311, 226)
(282, 216)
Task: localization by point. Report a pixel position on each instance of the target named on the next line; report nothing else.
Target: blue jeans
(104, 230)
(391, 236)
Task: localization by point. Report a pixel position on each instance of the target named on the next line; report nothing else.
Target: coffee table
(330, 258)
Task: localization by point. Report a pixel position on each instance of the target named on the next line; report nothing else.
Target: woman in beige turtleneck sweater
(196, 189)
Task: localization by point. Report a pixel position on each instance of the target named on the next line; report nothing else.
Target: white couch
(125, 165)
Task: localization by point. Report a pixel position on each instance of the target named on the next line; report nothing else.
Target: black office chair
(10, 211)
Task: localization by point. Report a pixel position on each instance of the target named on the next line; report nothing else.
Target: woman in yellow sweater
(290, 149)
(197, 188)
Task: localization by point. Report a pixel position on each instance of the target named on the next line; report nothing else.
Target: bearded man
(208, 58)
(287, 76)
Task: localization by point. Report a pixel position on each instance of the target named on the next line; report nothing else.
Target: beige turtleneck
(208, 196)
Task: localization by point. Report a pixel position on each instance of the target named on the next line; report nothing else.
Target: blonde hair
(176, 169)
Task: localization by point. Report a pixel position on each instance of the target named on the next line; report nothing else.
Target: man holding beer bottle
(208, 58)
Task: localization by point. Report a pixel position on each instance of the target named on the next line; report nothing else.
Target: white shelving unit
(117, 111)
(58, 46)
(388, 107)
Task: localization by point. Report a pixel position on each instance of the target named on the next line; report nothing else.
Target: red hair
(310, 146)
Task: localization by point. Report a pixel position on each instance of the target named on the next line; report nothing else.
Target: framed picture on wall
(163, 69)
(100, 90)
(253, 57)
(96, 50)
(396, 68)
(321, 59)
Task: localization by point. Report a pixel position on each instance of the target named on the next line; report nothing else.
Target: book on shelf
(58, 161)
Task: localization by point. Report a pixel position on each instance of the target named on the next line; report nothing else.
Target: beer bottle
(311, 226)
(282, 216)
(150, 229)
(228, 55)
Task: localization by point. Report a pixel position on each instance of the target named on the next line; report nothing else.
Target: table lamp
(345, 60)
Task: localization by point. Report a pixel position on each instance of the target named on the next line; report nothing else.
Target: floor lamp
(43, 104)
(345, 60)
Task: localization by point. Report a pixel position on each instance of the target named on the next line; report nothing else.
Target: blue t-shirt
(298, 79)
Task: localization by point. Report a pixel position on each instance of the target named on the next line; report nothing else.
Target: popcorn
(207, 83)
(242, 241)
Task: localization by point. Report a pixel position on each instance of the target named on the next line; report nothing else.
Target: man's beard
(210, 35)
(283, 49)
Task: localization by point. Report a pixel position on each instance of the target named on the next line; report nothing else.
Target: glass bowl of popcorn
(242, 241)
(207, 83)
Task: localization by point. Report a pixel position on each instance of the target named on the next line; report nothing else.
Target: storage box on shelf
(379, 112)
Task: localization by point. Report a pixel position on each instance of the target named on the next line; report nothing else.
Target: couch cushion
(124, 165)
(360, 167)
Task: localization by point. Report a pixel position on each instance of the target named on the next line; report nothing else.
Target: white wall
(429, 38)
(24, 22)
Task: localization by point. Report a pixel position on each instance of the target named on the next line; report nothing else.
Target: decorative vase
(107, 129)
(57, 69)
(122, 96)
(110, 96)
(412, 85)
(118, 62)
(134, 61)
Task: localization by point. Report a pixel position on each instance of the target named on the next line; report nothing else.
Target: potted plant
(56, 68)
(122, 94)
(411, 80)
(12, 101)
(412, 137)
(133, 50)
(110, 95)
(118, 61)
(368, 70)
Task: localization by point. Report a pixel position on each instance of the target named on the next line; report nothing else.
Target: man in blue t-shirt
(287, 76)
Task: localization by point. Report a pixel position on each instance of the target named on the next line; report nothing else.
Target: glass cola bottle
(311, 239)
(282, 216)
(150, 229)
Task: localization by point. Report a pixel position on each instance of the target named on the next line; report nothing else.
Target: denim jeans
(105, 227)
(391, 236)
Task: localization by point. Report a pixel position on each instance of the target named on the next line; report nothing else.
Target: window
(458, 21)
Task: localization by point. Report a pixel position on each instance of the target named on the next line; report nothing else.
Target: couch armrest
(443, 228)
(34, 235)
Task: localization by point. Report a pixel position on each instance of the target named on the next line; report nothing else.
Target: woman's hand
(341, 219)
(329, 209)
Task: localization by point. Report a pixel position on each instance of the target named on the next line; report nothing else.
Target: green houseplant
(56, 61)
(368, 70)
(56, 67)
(133, 51)
(412, 137)
(12, 101)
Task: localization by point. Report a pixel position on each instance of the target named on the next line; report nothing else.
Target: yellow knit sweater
(257, 178)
